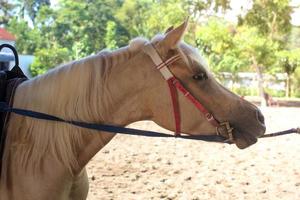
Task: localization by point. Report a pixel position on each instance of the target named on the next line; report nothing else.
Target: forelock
(136, 43)
(184, 49)
(157, 38)
(193, 53)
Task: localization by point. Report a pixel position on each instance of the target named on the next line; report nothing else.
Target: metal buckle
(209, 117)
(229, 131)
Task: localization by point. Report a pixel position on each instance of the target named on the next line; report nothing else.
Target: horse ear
(173, 36)
(169, 29)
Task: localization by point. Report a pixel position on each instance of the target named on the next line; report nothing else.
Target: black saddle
(9, 81)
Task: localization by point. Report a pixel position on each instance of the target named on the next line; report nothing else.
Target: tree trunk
(260, 81)
(288, 86)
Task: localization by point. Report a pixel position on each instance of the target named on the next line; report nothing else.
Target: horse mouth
(243, 140)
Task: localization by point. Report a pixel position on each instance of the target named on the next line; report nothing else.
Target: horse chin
(243, 141)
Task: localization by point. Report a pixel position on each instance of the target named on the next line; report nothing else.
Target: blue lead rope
(108, 128)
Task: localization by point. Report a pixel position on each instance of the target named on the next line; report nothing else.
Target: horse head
(190, 69)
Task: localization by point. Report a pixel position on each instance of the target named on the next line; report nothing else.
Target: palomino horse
(46, 160)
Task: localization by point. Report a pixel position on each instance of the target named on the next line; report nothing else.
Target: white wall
(6, 50)
(24, 60)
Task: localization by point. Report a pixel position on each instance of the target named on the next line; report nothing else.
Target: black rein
(122, 130)
(4, 107)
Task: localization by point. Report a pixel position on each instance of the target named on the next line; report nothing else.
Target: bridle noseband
(222, 128)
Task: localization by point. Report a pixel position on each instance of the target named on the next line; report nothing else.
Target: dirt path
(149, 168)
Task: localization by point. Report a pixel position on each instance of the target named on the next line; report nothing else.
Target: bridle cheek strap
(174, 85)
(169, 77)
(175, 104)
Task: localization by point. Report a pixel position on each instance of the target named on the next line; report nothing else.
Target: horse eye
(200, 77)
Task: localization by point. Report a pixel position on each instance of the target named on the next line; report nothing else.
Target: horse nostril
(260, 117)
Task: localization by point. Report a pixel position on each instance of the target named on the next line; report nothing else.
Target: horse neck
(122, 99)
(97, 89)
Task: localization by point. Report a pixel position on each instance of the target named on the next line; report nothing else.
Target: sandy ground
(131, 167)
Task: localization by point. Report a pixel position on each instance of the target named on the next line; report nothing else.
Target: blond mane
(75, 91)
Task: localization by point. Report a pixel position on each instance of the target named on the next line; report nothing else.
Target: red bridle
(174, 85)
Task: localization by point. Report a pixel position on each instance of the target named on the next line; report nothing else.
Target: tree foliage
(28, 39)
(270, 17)
(262, 41)
(111, 35)
(6, 11)
(288, 61)
(48, 58)
(31, 8)
(256, 48)
(216, 41)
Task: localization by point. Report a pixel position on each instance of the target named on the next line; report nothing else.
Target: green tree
(235, 49)
(46, 59)
(28, 39)
(297, 82)
(110, 35)
(31, 8)
(216, 41)
(148, 17)
(289, 61)
(168, 12)
(271, 18)
(133, 14)
(215, 37)
(200, 8)
(271, 22)
(6, 11)
(294, 38)
(258, 50)
(83, 25)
